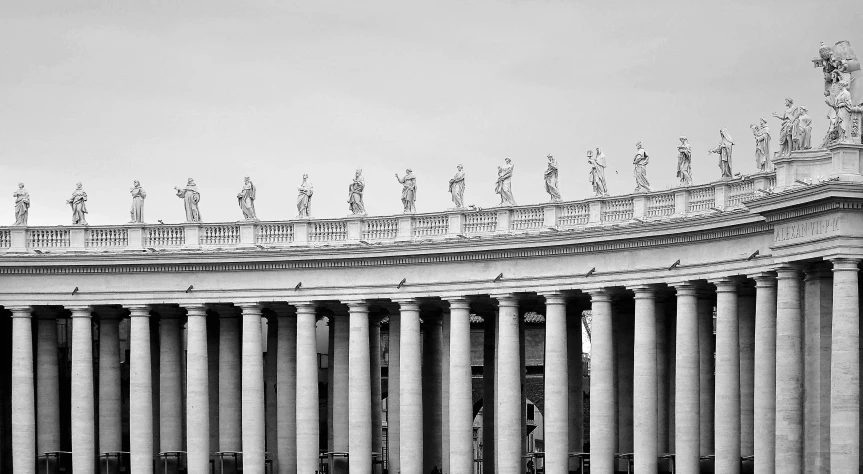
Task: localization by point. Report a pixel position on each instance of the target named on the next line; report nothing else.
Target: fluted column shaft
(306, 389)
(556, 380)
(727, 424)
(230, 386)
(602, 387)
(508, 396)
(110, 401)
(765, 373)
(23, 401)
(288, 375)
(460, 388)
(140, 392)
(83, 399)
(197, 391)
(359, 395)
(47, 385)
(687, 382)
(789, 373)
(410, 389)
(845, 368)
(645, 381)
(170, 381)
(254, 430)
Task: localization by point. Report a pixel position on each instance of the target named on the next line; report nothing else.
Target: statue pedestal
(847, 160)
(843, 161)
(18, 237)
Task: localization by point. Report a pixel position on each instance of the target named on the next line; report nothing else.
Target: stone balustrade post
(681, 201)
(405, 227)
(504, 220)
(192, 233)
(550, 213)
(301, 231)
(18, 239)
(355, 229)
(595, 212)
(136, 237)
(719, 196)
(247, 234)
(456, 222)
(639, 206)
(23, 393)
(77, 237)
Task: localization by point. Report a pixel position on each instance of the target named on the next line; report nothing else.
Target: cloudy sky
(108, 92)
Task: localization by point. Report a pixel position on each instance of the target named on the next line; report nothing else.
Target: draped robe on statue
(78, 201)
(640, 172)
(724, 152)
(409, 192)
(246, 198)
(551, 181)
(504, 185)
(597, 174)
(137, 211)
(22, 206)
(355, 195)
(456, 188)
(304, 199)
(684, 164)
(191, 198)
(763, 160)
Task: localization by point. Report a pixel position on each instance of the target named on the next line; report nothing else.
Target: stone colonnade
(647, 340)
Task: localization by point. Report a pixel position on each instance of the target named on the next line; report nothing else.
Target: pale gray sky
(108, 92)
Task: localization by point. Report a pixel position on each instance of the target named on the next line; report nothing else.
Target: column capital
(80, 311)
(600, 295)
(764, 279)
(139, 311)
(21, 311)
(281, 310)
(845, 264)
(357, 306)
(407, 304)
(109, 312)
(686, 288)
(554, 298)
(195, 310)
(786, 271)
(644, 291)
(506, 300)
(813, 273)
(726, 285)
(458, 302)
(224, 310)
(304, 307)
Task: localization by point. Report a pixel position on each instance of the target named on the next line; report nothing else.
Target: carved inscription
(807, 230)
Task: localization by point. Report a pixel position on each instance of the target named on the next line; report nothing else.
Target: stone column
(445, 410)
(727, 424)
(339, 351)
(460, 388)
(575, 375)
(375, 368)
(288, 374)
(765, 372)
(110, 397)
(556, 380)
(270, 402)
(746, 317)
(789, 372)
(306, 389)
(817, 324)
(254, 437)
(508, 396)
(230, 386)
(197, 391)
(83, 399)
(140, 392)
(706, 347)
(489, 389)
(23, 401)
(845, 368)
(602, 387)
(47, 384)
(644, 381)
(410, 389)
(687, 381)
(432, 332)
(393, 384)
(359, 393)
(664, 379)
(170, 380)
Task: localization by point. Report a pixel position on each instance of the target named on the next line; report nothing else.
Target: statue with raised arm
(684, 162)
(246, 199)
(597, 172)
(138, 196)
(763, 158)
(787, 133)
(504, 183)
(304, 198)
(551, 179)
(191, 197)
(724, 152)
(355, 194)
(640, 172)
(22, 204)
(78, 201)
(409, 191)
(456, 188)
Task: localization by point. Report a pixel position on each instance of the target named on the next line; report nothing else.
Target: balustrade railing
(597, 211)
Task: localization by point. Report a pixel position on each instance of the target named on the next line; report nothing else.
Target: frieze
(813, 209)
(812, 229)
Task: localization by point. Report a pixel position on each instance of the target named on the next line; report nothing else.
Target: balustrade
(220, 234)
(380, 229)
(528, 218)
(617, 210)
(701, 199)
(327, 231)
(430, 226)
(107, 237)
(271, 233)
(738, 192)
(480, 222)
(48, 238)
(574, 214)
(164, 236)
(659, 205)
(5, 238)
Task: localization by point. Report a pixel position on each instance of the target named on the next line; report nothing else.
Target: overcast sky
(106, 93)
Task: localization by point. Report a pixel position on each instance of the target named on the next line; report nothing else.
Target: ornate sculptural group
(843, 92)
(191, 197)
(724, 152)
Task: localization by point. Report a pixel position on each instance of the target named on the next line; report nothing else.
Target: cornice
(805, 200)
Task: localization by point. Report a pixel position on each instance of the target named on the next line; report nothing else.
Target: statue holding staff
(22, 204)
(456, 188)
(355, 194)
(684, 162)
(78, 201)
(504, 183)
(304, 198)
(138, 196)
(409, 191)
(191, 197)
(640, 172)
(551, 179)
(724, 152)
(246, 199)
(763, 158)
(597, 172)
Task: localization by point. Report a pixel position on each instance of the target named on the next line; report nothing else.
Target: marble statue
(504, 183)
(640, 172)
(834, 130)
(842, 109)
(551, 179)
(138, 196)
(763, 158)
(843, 88)
(22, 204)
(246, 199)
(191, 197)
(409, 191)
(804, 129)
(304, 199)
(355, 194)
(684, 162)
(597, 172)
(724, 152)
(789, 127)
(78, 201)
(456, 188)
